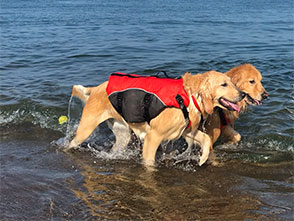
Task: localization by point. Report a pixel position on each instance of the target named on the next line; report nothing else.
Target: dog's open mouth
(253, 101)
(229, 105)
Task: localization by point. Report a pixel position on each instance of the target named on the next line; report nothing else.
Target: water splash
(46, 119)
(61, 143)
(118, 154)
(71, 126)
(69, 132)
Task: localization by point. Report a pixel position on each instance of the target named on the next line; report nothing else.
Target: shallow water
(40, 182)
(46, 47)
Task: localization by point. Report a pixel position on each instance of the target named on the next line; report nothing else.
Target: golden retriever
(210, 89)
(248, 79)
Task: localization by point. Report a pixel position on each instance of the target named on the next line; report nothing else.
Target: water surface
(46, 47)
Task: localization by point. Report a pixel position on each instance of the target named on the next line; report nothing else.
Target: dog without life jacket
(155, 109)
(248, 79)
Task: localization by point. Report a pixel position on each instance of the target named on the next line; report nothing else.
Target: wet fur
(205, 87)
(241, 77)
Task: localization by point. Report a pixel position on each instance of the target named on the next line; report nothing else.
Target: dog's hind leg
(86, 127)
(96, 110)
(121, 132)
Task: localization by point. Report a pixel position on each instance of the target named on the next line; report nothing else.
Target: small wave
(45, 119)
(91, 56)
(275, 145)
(263, 144)
(264, 151)
(17, 64)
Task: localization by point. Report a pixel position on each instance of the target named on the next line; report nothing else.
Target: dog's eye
(252, 81)
(224, 85)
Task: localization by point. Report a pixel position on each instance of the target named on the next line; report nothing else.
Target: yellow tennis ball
(62, 119)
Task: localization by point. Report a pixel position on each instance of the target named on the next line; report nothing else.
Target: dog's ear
(236, 75)
(207, 100)
(207, 103)
(199, 84)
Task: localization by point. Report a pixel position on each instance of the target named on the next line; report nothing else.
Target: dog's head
(248, 79)
(215, 90)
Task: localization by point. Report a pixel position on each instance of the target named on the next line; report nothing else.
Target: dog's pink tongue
(257, 102)
(235, 107)
(232, 105)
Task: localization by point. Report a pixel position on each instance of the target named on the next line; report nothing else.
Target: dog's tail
(81, 92)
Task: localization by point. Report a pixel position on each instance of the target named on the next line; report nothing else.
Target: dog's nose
(264, 95)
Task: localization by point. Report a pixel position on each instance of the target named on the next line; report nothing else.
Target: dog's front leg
(206, 145)
(190, 142)
(151, 143)
(230, 135)
(189, 137)
(85, 129)
(88, 123)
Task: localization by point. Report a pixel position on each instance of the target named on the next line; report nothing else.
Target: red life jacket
(141, 98)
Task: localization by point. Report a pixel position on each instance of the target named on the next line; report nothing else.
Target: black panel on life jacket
(136, 105)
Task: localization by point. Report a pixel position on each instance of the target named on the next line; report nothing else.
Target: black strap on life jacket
(165, 75)
(157, 75)
(147, 101)
(222, 117)
(183, 108)
(119, 103)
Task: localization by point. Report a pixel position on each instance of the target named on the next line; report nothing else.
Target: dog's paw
(203, 159)
(72, 146)
(205, 154)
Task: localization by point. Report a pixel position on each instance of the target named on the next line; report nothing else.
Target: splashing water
(118, 154)
(63, 142)
(68, 134)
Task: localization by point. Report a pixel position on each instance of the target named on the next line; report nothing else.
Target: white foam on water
(118, 154)
(274, 145)
(6, 118)
(61, 143)
(44, 119)
(266, 144)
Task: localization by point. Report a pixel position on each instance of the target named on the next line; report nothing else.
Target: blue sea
(46, 47)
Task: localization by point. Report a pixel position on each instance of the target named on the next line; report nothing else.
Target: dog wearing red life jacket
(155, 109)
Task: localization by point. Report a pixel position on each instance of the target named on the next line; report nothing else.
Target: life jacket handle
(165, 75)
